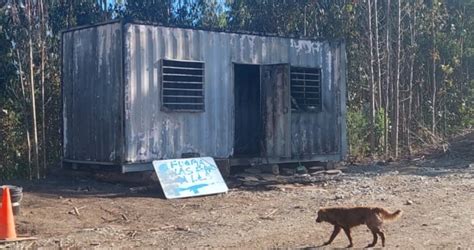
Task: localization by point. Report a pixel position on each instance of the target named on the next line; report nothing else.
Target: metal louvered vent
(305, 89)
(182, 85)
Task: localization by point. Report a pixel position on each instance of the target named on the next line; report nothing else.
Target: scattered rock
(470, 165)
(408, 202)
(318, 173)
(138, 189)
(183, 228)
(253, 170)
(302, 175)
(250, 178)
(287, 171)
(268, 177)
(424, 225)
(301, 170)
(271, 168)
(315, 169)
(333, 172)
(339, 197)
(382, 163)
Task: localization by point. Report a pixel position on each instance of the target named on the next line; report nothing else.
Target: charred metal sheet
(96, 85)
(91, 93)
(317, 133)
(276, 98)
(154, 134)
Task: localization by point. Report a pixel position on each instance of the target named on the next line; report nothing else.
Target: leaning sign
(189, 177)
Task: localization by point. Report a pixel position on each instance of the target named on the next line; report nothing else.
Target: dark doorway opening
(248, 118)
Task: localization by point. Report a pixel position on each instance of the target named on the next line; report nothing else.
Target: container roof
(138, 22)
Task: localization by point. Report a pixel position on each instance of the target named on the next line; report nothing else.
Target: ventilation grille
(182, 85)
(305, 89)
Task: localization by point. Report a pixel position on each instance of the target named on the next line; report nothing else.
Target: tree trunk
(25, 113)
(43, 58)
(396, 87)
(32, 85)
(410, 89)
(377, 51)
(385, 113)
(433, 100)
(372, 83)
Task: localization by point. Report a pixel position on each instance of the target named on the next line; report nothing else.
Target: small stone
(408, 202)
(382, 163)
(268, 177)
(424, 224)
(339, 197)
(301, 170)
(333, 172)
(318, 173)
(250, 178)
(315, 169)
(302, 175)
(287, 171)
(470, 165)
(253, 170)
(270, 168)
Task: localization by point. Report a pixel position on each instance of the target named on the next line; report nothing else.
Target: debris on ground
(261, 209)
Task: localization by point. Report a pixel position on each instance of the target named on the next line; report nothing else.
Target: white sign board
(189, 177)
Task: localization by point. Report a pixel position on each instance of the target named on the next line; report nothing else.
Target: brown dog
(347, 218)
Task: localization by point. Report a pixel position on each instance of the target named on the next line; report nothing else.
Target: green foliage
(357, 127)
(380, 126)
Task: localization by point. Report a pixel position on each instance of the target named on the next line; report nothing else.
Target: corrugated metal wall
(91, 76)
(153, 134)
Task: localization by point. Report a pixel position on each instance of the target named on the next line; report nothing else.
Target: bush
(357, 127)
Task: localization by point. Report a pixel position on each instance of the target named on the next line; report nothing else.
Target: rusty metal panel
(91, 93)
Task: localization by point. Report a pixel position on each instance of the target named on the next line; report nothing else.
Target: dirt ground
(436, 194)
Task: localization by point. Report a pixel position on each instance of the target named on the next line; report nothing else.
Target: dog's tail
(387, 216)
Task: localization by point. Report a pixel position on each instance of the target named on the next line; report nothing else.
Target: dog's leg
(348, 233)
(382, 235)
(375, 239)
(337, 229)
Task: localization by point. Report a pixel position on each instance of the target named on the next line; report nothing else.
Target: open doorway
(248, 118)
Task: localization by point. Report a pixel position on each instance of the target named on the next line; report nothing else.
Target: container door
(276, 109)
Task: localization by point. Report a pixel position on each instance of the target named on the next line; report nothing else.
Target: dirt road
(437, 197)
(437, 203)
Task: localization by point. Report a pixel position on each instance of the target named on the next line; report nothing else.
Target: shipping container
(136, 92)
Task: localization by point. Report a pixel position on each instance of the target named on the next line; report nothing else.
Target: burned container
(135, 92)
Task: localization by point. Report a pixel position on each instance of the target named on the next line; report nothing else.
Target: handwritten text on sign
(189, 177)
